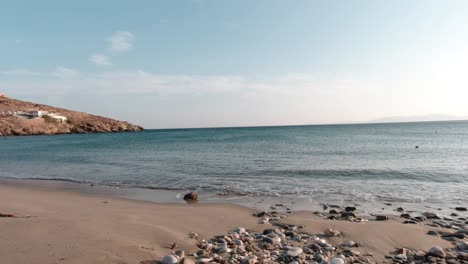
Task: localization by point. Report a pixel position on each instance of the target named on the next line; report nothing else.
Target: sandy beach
(57, 226)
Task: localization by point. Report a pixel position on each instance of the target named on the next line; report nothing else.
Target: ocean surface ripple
(364, 162)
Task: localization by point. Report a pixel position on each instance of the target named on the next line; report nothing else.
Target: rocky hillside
(14, 120)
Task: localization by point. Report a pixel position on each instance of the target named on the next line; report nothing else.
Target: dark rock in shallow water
(420, 218)
(262, 214)
(347, 214)
(400, 209)
(191, 197)
(381, 217)
(350, 208)
(407, 216)
(333, 211)
(462, 209)
(430, 215)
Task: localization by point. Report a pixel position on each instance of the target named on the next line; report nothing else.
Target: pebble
(381, 218)
(401, 256)
(350, 209)
(331, 233)
(180, 254)
(349, 244)
(461, 209)
(337, 261)
(294, 251)
(186, 261)
(436, 252)
(240, 230)
(407, 216)
(463, 245)
(432, 233)
(170, 259)
(430, 215)
(191, 197)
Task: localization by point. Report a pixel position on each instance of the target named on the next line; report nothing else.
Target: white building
(39, 113)
(61, 118)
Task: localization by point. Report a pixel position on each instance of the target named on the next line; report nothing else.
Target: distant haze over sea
(420, 118)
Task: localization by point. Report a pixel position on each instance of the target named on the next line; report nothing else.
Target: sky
(215, 63)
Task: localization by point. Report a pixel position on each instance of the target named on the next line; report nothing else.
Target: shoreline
(255, 202)
(70, 225)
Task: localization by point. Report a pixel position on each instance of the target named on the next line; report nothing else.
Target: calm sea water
(369, 162)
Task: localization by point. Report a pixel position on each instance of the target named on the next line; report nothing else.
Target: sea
(400, 163)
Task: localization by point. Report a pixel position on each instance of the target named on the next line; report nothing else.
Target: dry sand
(68, 227)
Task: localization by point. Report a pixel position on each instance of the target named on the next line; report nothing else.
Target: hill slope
(12, 122)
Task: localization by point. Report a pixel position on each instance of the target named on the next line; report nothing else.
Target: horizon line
(305, 125)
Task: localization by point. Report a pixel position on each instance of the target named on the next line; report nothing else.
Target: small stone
(407, 216)
(353, 252)
(350, 209)
(331, 233)
(272, 240)
(436, 252)
(401, 251)
(381, 218)
(461, 209)
(337, 261)
(430, 215)
(348, 214)
(238, 242)
(240, 230)
(170, 259)
(401, 256)
(180, 254)
(205, 260)
(294, 251)
(186, 261)
(433, 233)
(400, 209)
(333, 211)
(349, 244)
(463, 245)
(191, 197)
(420, 218)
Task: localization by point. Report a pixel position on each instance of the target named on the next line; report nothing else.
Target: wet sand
(64, 226)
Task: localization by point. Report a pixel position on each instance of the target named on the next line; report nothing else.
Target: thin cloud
(100, 60)
(121, 41)
(64, 72)
(20, 72)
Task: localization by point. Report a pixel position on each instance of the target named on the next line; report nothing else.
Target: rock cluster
(279, 244)
(433, 255)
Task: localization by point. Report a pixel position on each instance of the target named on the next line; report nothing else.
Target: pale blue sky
(232, 63)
